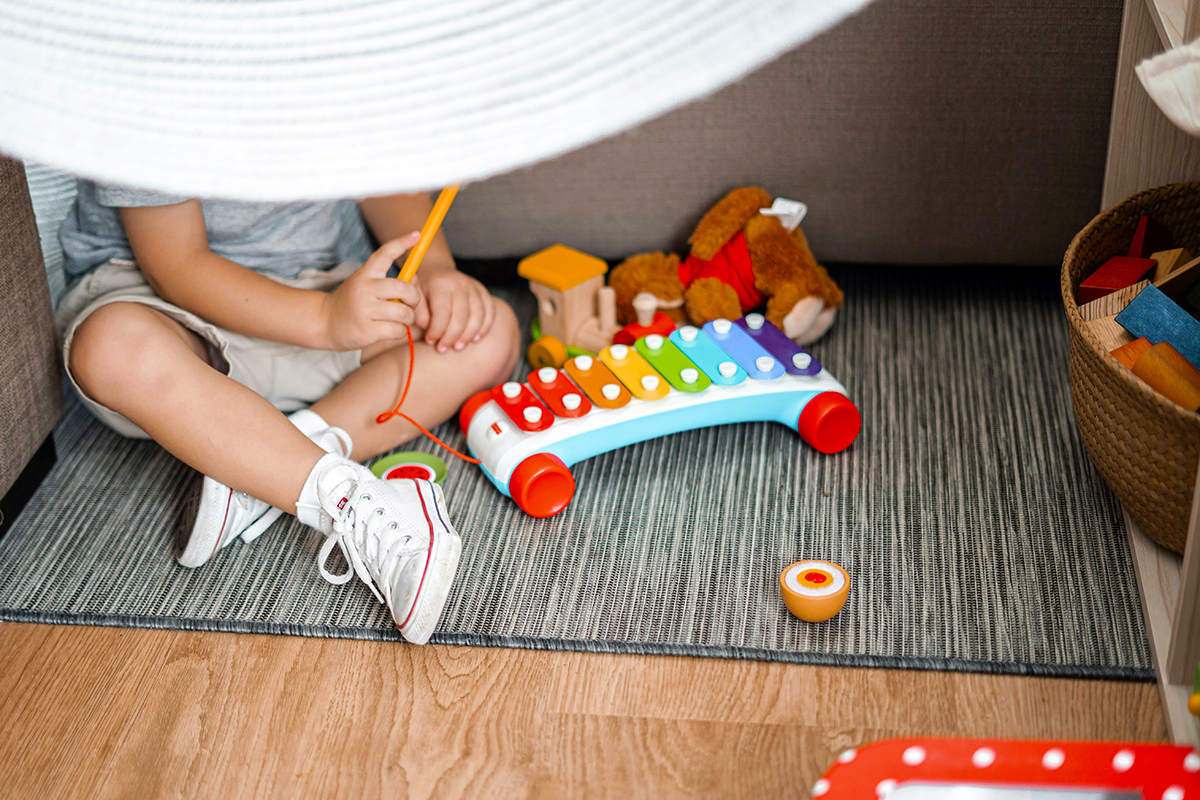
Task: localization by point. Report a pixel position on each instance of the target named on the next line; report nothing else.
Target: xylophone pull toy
(526, 436)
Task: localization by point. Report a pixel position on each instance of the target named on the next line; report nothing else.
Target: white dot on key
(650, 382)
(722, 326)
(583, 362)
(610, 391)
(765, 363)
(619, 351)
(511, 390)
(727, 369)
(688, 333)
(547, 374)
(801, 360)
(689, 375)
(532, 414)
(654, 341)
(571, 401)
(755, 321)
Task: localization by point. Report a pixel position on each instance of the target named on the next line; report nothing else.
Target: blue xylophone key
(749, 354)
(793, 357)
(710, 358)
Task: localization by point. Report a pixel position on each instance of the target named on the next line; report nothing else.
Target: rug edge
(1030, 669)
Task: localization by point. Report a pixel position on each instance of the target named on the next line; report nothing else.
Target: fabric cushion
(31, 391)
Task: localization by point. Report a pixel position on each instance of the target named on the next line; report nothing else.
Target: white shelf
(1158, 573)
(1169, 19)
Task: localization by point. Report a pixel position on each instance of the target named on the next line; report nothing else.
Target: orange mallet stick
(428, 231)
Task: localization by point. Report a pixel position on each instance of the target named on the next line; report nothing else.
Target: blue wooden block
(1160, 319)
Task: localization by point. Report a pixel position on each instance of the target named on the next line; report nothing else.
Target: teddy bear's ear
(725, 219)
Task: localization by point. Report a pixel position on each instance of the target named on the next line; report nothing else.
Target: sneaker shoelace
(260, 525)
(373, 546)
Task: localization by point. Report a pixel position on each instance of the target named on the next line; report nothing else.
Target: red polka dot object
(880, 769)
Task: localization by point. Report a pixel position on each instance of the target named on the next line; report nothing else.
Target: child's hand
(360, 313)
(460, 310)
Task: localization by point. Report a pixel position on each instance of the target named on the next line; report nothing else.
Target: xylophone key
(707, 356)
(670, 362)
(749, 354)
(793, 357)
(519, 403)
(597, 382)
(633, 371)
(557, 391)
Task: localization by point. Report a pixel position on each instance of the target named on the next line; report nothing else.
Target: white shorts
(289, 376)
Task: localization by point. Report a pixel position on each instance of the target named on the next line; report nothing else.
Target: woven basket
(1144, 445)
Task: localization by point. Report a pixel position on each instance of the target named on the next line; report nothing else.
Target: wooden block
(1160, 319)
(1177, 285)
(1150, 237)
(1178, 363)
(1128, 354)
(1157, 371)
(1168, 261)
(1111, 304)
(1117, 273)
(1110, 334)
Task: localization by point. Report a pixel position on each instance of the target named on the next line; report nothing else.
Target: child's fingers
(385, 311)
(382, 259)
(422, 311)
(489, 316)
(393, 289)
(474, 321)
(440, 307)
(460, 312)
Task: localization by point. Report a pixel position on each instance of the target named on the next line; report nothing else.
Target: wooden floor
(117, 713)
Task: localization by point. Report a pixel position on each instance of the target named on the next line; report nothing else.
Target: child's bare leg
(441, 382)
(149, 368)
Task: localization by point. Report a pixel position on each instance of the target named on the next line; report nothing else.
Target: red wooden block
(1151, 236)
(1113, 275)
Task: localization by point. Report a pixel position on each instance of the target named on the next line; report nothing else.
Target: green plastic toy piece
(670, 362)
(535, 329)
(410, 464)
(573, 351)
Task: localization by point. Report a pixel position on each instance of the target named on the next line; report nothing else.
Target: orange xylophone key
(597, 382)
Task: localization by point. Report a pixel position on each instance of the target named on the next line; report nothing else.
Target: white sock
(321, 432)
(308, 507)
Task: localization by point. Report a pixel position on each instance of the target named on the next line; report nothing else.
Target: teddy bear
(740, 258)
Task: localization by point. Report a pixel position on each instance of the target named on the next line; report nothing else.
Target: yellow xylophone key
(635, 372)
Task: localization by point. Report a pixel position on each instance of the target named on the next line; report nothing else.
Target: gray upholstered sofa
(918, 132)
(30, 389)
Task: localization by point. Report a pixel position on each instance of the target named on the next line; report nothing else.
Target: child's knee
(113, 349)
(498, 351)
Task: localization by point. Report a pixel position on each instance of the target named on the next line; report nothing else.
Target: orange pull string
(396, 412)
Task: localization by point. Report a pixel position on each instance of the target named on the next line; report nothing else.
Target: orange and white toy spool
(814, 590)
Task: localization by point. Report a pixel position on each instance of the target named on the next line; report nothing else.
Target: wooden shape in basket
(1111, 304)
(1180, 281)
(1150, 236)
(1160, 319)
(1168, 261)
(1113, 275)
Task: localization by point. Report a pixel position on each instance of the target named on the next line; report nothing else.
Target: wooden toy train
(528, 435)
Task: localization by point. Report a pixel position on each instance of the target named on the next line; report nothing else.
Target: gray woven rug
(977, 534)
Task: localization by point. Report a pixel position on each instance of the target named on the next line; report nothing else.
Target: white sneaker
(396, 536)
(215, 515)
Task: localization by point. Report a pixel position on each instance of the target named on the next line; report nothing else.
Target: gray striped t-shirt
(279, 238)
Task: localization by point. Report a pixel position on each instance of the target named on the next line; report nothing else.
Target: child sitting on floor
(197, 322)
